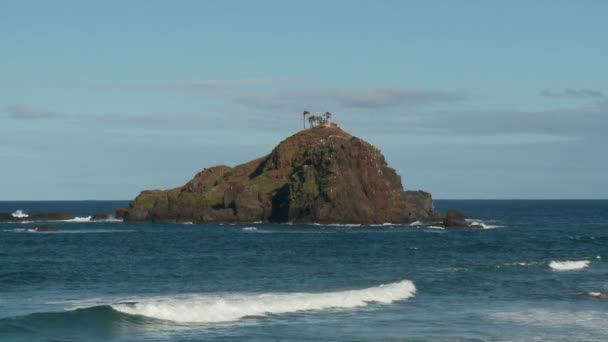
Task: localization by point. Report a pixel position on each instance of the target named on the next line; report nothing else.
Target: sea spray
(569, 265)
(19, 214)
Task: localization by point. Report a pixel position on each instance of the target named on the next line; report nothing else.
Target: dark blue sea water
(114, 281)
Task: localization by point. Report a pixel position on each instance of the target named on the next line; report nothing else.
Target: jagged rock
(455, 218)
(102, 217)
(50, 217)
(322, 174)
(121, 213)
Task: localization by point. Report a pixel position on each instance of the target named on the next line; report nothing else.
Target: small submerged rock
(102, 217)
(45, 229)
(600, 295)
(454, 219)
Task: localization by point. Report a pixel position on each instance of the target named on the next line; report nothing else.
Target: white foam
(482, 224)
(343, 225)
(250, 228)
(595, 294)
(416, 223)
(569, 265)
(79, 219)
(232, 307)
(19, 214)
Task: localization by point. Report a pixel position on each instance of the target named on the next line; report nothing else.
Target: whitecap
(219, 308)
(481, 223)
(19, 214)
(249, 228)
(340, 225)
(79, 219)
(435, 227)
(569, 265)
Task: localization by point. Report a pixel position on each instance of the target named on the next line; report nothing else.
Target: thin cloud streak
(201, 85)
(392, 97)
(561, 125)
(574, 93)
(359, 99)
(28, 112)
(267, 94)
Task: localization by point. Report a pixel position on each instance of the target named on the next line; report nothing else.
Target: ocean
(530, 275)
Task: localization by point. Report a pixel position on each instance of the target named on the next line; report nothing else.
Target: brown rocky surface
(321, 174)
(45, 229)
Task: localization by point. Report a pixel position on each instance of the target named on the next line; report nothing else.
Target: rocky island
(321, 174)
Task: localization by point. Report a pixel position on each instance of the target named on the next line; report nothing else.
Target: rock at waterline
(322, 174)
(45, 229)
(102, 217)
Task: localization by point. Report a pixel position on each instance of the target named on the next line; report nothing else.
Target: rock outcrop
(322, 174)
(45, 229)
(102, 217)
(8, 217)
(455, 219)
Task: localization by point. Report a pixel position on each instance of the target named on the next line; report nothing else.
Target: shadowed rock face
(322, 174)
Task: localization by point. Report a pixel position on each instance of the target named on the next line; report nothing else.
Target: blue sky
(469, 99)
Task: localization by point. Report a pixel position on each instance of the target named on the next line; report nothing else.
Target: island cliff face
(321, 174)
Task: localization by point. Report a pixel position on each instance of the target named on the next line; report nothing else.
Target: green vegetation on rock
(321, 174)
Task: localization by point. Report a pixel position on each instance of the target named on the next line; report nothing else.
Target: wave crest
(19, 214)
(569, 265)
(227, 308)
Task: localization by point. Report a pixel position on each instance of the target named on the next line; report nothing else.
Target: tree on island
(311, 120)
(315, 120)
(304, 117)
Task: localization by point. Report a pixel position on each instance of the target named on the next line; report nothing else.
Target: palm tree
(311, 120)
(327, 116)
(304, 117)
(318, 119)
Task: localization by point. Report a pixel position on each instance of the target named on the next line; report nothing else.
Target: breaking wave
(79, 219)
(19, 214)
(343, 225)
(232, 307)
(482, 224)
(87, 315)
(569, 265)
